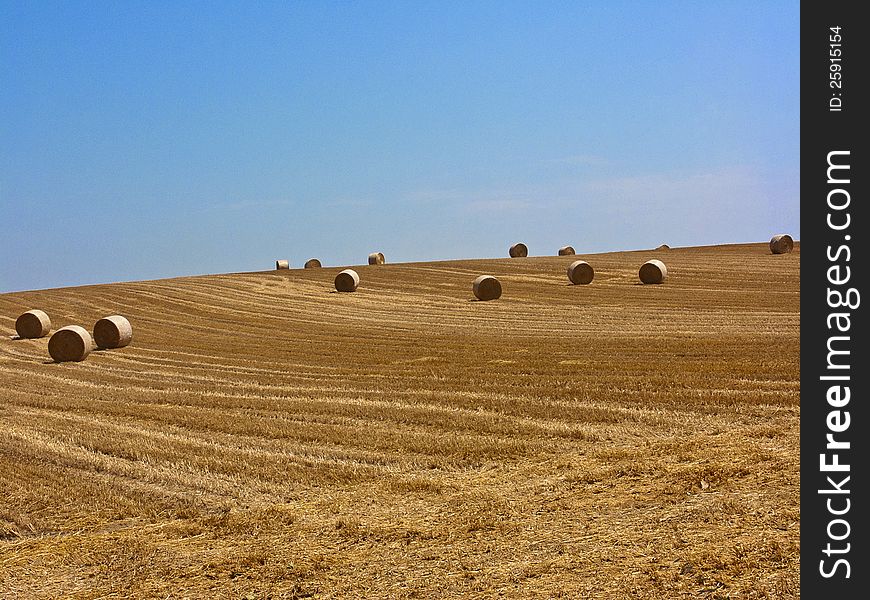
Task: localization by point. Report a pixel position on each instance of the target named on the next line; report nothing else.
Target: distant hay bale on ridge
(781, 244)
(112, 332)
(32, 324)
(376, 258)
(653, 271)
(347, 281)
(663, 247)
(70, 343)
(519, 250)
(580, 272)
(312, 263)
(487, 287)
(282, 264)
(566, 251)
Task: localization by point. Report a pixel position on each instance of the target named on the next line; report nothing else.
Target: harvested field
(266, 437)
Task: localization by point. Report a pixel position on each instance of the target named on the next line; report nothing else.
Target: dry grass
(265, 437)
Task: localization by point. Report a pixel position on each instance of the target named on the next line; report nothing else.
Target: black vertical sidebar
(835, 433)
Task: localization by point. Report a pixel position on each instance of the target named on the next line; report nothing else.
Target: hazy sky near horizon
(141, 140)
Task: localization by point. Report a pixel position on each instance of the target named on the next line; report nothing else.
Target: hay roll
(112, 332)
(282, 264)
(519, 250)
(566, 251)
(376, 258)
(312, 263)
(781, 244)
(32, 324)
(347, 281)
(663, 247)
(653, 271)
(487, 287)
(580, 272)
(70, 343)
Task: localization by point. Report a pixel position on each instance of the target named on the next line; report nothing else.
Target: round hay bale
(112, 332)
(781, 244)
(519, 250)
(347, 281)
(653, 271)
(32, 324)
(376, 258)
(282, 264)
(663, 247)
(487, 287)
(566, 251)
(580, 272)
(312, 263)
(70, 343)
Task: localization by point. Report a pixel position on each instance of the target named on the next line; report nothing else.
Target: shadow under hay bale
(32, 324)
(653, 271)
(486, 287)
(70, 343)
(113, 332)
(781, 244)
(347, 281)
(580, 272)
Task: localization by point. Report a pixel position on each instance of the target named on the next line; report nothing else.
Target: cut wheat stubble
(70, 343)
(33, 324)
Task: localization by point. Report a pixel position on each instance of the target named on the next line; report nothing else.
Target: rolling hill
(266, 437)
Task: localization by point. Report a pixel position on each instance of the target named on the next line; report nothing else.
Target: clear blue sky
(155, 139)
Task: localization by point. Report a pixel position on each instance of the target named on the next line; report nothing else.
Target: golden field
(266, 437)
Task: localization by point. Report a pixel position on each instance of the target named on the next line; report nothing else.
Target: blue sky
(156, 139)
